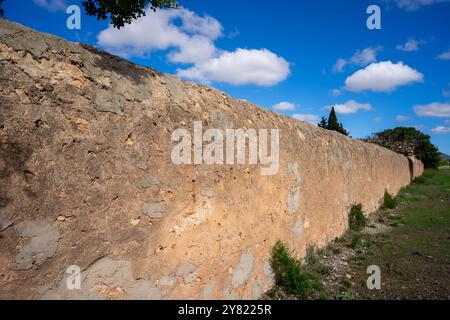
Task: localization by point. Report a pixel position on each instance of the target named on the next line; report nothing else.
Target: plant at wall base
(290, 275)
(356, 218)
(389, 201)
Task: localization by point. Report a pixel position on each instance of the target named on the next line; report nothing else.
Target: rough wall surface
(86, 179)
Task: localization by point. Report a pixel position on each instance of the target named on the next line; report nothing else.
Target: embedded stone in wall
(243, 270)
(39, 242)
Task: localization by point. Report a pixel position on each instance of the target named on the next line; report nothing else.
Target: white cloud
(361, 58)
(435, 109)
(411, 5)
(446, 93)
(339, 66)
(311, 118)
(441, 130)
(364, 57)
(336, 92)
(283, 106)
(189, 39)
(52, 5)
(401, 118)
(410, 45)
(444, 55)
(261, 67)
(350, 106)
(382, 77)
(377, 119)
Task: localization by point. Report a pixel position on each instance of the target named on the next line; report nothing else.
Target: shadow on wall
(135, 73)
(13, 157)
(411, 169)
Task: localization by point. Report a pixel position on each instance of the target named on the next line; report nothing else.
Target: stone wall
(86, 179)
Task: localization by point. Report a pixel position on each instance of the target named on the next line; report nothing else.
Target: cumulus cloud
(336, 92)
(382, 77)
(52, 5)
(444, 55)
(339, 66)
(441, 130)
(411, 5)
(351, 106)
(311, 118)
(410, 45)
(284, 106)
(190, 39)
(189, 36)
(361, 58)
(446, 93)
(401, 118)
(377, 119)
(261, 67)
(435, 109)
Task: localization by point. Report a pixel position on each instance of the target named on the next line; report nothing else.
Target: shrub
(324, 269)
(290, 274)
(356, 218)
(389, 201)
(430, 173)
(311, 257)
(419, 180)
(356, 241)
(346, 296)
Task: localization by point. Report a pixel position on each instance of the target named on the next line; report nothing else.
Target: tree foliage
(407, 141)
(332, 123)
(123, 12)
(2, 12)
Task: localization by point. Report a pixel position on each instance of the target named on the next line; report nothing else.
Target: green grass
(415, 255)
(311, 256)
(323, 269)
(290, 274)
(356, 218)
(346, 296)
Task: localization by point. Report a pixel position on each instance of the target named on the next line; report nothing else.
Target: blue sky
(306, 55)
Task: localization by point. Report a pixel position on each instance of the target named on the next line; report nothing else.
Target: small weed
(336, 250)
(346, 296)
(419, 180)
(346, 283)
(311, 256)
(358, 259)
(356, 241)
(290, 274)
(356, 218)
(389, 201)
(324, 269)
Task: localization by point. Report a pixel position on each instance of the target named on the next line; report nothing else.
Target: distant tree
(323, 123)
(2, 12)
(123, 12)
(332, 123)
(408, 141)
